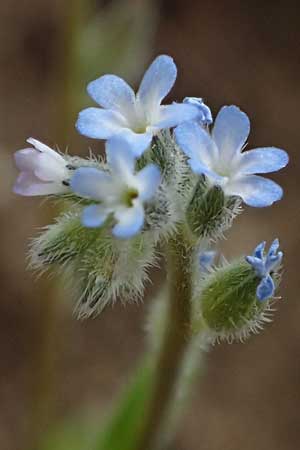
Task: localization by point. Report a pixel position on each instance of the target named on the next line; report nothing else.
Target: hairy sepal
(226, 306)
(210, 213)
(100, 268)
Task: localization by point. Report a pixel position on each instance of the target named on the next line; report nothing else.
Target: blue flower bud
(204, 112)
(229, 304)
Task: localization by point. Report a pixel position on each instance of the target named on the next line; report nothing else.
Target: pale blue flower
(219, 156)
(204, 112)
(137, 117)
(264, 265)
(120, 193)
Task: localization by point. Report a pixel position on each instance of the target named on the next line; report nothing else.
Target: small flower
(120, 192)
(204, 112)
(43, 171)
(137, 117)
(263, 266)
(220, 158)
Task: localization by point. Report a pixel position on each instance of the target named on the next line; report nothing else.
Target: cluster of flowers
(129, 123)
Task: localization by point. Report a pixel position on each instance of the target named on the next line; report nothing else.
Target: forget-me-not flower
(219, 156)
(120, 192)
(43, 171)
(204, 112)
(264, 265)
(137, 117)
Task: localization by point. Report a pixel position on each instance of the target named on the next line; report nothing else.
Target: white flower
(137, 117)
(42, 171)
(220, 158)
(121, 192)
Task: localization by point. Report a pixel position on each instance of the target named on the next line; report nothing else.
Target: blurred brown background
(246, 53)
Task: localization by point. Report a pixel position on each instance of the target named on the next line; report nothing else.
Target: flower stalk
(174, 345)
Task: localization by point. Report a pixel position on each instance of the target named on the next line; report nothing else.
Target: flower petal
(99, 123)
(39, 146)
(27, 184)
(48, 168)
(25, 159)
(255, 190)
(130, 222)
(196, 143)
(138, 142)
(148, 179)
(257, 264)
(263, 160)
(259, 250)
(230, 132)
(273, 261)
(201, 169)
(157, 82)
(94, 216)
(120, 157)
(273, 247)
(92, 183)
(175, 114)
(111, 92)
(204, 112)
(265, 289)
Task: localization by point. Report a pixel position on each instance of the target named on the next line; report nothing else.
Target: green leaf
(122, 430)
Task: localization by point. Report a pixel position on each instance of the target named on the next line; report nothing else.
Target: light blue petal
(273, 261)
(196, 143)
(265, 289)
(91, 183)
(148, 178)
(130, 222)
(111, 92)
(273, 247)
(257, 264)
(120, 156)
(204, 112)
(94, 216)
(230, 132)
(263, 160)
(255, 190)
(259, 250)
(138, 142)
(175, 114)
(201, 169)
(99, 123)
(157, 82)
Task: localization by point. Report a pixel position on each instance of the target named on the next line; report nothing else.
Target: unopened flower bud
(230, 304)
(210, 212)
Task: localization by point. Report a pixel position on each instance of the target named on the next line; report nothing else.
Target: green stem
(174, 346)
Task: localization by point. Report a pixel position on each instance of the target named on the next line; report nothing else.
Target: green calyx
(210, 212)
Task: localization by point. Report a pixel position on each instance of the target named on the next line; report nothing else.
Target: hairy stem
(175, 344)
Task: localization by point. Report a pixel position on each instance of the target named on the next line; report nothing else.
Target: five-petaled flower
(43, 171)
(120, 192)
(220, 158)
(137, 117)
(263, 266)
